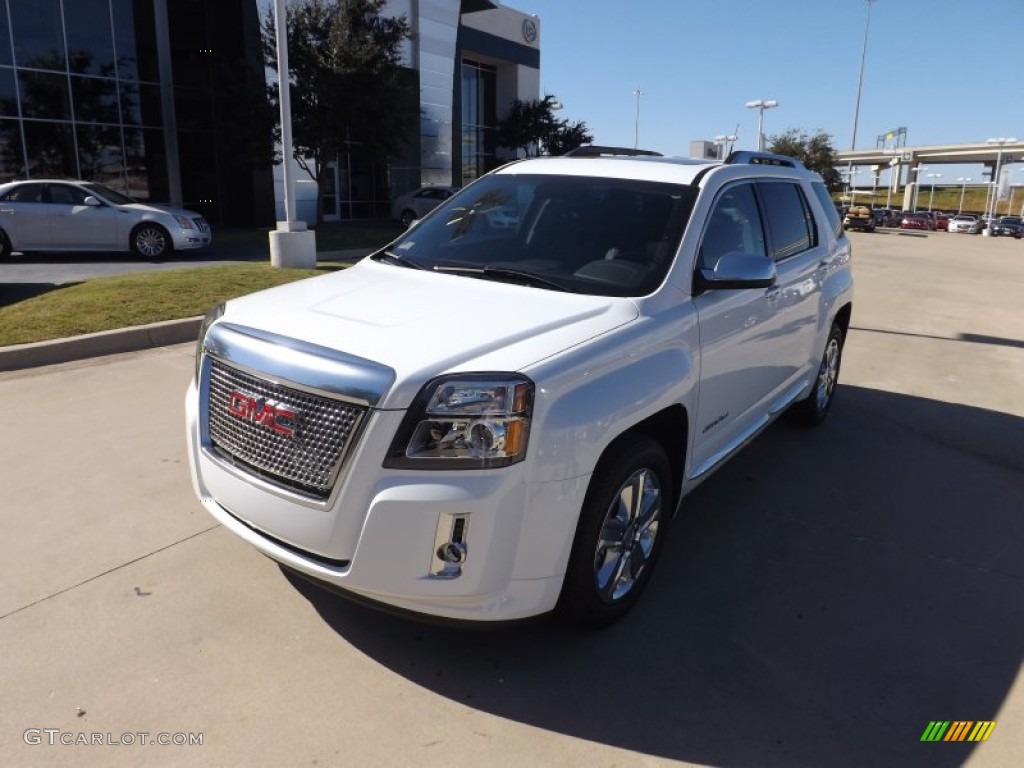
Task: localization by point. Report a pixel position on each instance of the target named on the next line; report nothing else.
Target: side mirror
(91, 201)
(738, 270)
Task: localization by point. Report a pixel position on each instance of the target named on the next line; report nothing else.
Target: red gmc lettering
(245, 407)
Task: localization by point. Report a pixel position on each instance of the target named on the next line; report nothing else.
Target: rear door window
(788, 217)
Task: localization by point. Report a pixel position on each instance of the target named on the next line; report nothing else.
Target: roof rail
(593, 150)
(746, 157)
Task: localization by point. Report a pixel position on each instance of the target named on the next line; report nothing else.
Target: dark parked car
(1011, 226)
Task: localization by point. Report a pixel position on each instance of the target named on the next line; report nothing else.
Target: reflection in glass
(135, 40)
(50, 150)
(44, 95)
(479, 118)
(99, 155)
(145, 164)
(12, 158)
(90, 39)
(140, 104)
(8, 93)
(95, 99)
(37, 32)
(6, 57)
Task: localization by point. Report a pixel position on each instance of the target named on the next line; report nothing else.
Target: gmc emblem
(263, 412)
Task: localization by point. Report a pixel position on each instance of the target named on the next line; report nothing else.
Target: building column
(163, 52)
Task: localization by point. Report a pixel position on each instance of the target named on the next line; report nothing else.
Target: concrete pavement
(824, 596)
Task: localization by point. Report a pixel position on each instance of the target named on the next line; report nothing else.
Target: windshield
(110, 195)
(605, 237)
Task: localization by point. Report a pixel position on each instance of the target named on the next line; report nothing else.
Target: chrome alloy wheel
(828, 374)
(627, 536)
(151, 242)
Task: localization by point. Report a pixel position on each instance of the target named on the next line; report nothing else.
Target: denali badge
(263, 412)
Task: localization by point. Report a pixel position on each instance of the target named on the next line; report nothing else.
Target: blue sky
(949, 71)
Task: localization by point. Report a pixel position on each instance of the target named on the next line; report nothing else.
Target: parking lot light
(963, 189)
(761, 105)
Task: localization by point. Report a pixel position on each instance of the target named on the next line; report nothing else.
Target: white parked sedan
(62, 215)
(418, 203)
(963, 222)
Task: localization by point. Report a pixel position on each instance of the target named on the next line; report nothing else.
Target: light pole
(761, 105)
(963, 189)
(636, 136)
(860, 77)
(990, 208)
(931, 195)
(724, 144)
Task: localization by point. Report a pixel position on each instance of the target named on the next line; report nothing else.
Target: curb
(20, 356)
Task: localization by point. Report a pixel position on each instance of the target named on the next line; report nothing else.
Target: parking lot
(822, 598)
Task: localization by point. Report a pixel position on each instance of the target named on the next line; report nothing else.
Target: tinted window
(38, 33)
(65, 194)
(788, 217)
(733, 226)
(831, 214)
(25, 193)
(90, 38)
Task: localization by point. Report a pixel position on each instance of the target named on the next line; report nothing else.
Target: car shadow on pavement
(819, 601)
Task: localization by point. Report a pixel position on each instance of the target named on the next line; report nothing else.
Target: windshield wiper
(500, 273)
(394, 258)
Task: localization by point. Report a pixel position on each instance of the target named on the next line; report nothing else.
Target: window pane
(135, 39)
(831, 214)
(787, 216)
(99, 155)
(146, 165)
(5, 38)
(90, 38)
(38, 36)
(733, 226)
(12, 159)
(95, 99)
(8, 94)
(44, 95)
(50, 149)
(140, 104)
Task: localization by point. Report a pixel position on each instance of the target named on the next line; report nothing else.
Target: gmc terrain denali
(499, 413)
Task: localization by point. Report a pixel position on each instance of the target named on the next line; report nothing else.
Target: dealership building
(157, 98)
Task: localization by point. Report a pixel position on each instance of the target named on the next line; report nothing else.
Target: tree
(531, 126)
(816, 152)
(566, 136)
(347, 84)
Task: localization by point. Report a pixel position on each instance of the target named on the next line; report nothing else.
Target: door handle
(772, 294)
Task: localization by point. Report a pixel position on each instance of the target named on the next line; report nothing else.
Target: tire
(812, 410)
(5, 246)
(151, 241)
(407, 217)
(619, 535)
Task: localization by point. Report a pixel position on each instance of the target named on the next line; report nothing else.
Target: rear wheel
(812, 410)
(151, 241)
(619, 535)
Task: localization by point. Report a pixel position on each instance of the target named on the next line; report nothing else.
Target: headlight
(184, 222)
(465, 421)
(211, 317)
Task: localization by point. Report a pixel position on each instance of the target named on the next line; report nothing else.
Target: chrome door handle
(772, 294)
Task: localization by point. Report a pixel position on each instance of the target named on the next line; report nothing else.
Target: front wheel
(619, 536)
(151, 241)
(812, 410)
(5, 246)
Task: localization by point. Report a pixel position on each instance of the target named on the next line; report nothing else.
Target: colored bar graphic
(958, 730)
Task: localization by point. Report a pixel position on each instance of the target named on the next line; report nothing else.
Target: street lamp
(860, 78)
(636, 136)
(724, 145)
(931, 195)
(761, 105)
(990, 208)
(963, 189)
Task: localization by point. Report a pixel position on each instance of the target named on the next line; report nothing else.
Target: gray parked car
(418, 203)
(61, 215)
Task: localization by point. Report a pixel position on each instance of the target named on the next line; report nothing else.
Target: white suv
(486, 422)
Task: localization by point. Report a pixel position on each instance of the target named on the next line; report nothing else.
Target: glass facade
(81, 97)
(479, 118)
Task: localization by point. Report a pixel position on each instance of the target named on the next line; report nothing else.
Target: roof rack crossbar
(594, 150)
(746, 157)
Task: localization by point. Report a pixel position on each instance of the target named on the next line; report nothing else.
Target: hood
(422, 324)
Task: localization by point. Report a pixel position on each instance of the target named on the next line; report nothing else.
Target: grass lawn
(105, 303)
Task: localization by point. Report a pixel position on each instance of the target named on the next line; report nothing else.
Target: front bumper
(190, 239)
(377, 536)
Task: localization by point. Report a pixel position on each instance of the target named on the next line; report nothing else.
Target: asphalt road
(823, 597)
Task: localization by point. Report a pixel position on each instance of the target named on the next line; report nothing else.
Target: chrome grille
(201, 224)
(309, 460)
